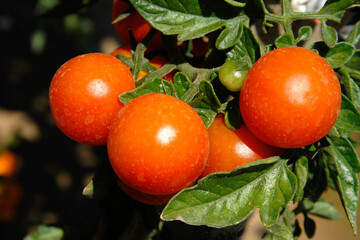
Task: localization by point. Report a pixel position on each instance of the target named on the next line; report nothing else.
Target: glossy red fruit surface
(158, 144)
(291, 97)
(233, 148)
(84, 94)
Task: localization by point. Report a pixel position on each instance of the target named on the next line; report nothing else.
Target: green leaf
(192, 19)
(304, 34)
(347, 151)
(209, 106)
(353, 66)
(157, 85)
(247, 47)
(181, 84)
(349, 116)
(345, 180)
(225, 199)
(351, 88)
(333, 134)
(230, 35)
(340, 54)
(336, 8)
(232, 116)
(46, 233)
(329, 34)
(284, 40)
(278, 231)
(309, 226)
(301, 171)
(354, 36)
(323, 209)
(205, 102)
(235, 3)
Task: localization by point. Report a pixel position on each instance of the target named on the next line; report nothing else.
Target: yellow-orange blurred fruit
(7, 164)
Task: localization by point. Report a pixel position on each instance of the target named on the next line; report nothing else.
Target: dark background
(52, 170)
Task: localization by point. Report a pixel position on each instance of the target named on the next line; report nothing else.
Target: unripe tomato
(84, 94)
(144, 197)
(233, 148)
(232, 75)
(291, 97)
(139, 27)
(158, 61)
(158, 144)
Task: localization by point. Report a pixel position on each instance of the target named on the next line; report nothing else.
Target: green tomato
(232, 74)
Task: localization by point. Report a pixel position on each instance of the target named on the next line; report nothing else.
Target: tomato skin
(84, 94)
(139, 27)
(158, 144)
(291, 97)
(158, 61)
(231, 148)
(232, 77)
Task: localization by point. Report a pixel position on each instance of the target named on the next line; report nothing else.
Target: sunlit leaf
(193, 19)
(345, 179)
(279, 231)
(349, 117)
(225, 199)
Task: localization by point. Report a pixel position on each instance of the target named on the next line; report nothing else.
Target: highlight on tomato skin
(231, 148)
(291, 98)
(136, 23)
(158, 144)
(83, 96)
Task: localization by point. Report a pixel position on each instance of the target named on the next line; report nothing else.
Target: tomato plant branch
(288, 16)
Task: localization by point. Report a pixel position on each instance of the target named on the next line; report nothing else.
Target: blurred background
(45, 172)
(42, 172)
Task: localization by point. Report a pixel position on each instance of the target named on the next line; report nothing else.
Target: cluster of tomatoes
(158, 144)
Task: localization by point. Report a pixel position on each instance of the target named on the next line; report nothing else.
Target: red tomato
(10, 196)
(232, 148)
(158, 61)
(200, 47)
(144, 197)
(139, 27)
(291, 97)
(84, 96)
(158, 144)
(8, 164)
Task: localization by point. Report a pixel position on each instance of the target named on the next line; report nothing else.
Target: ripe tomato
(10, 196)
(158, 144)
(232, 148)
(8, 164)
(200, 46)
(291, 97)
(158, 61)
(139, 27)
(144, 197)
(84, 96)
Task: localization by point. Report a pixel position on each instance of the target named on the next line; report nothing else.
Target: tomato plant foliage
(300, 175)
(228, 198)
